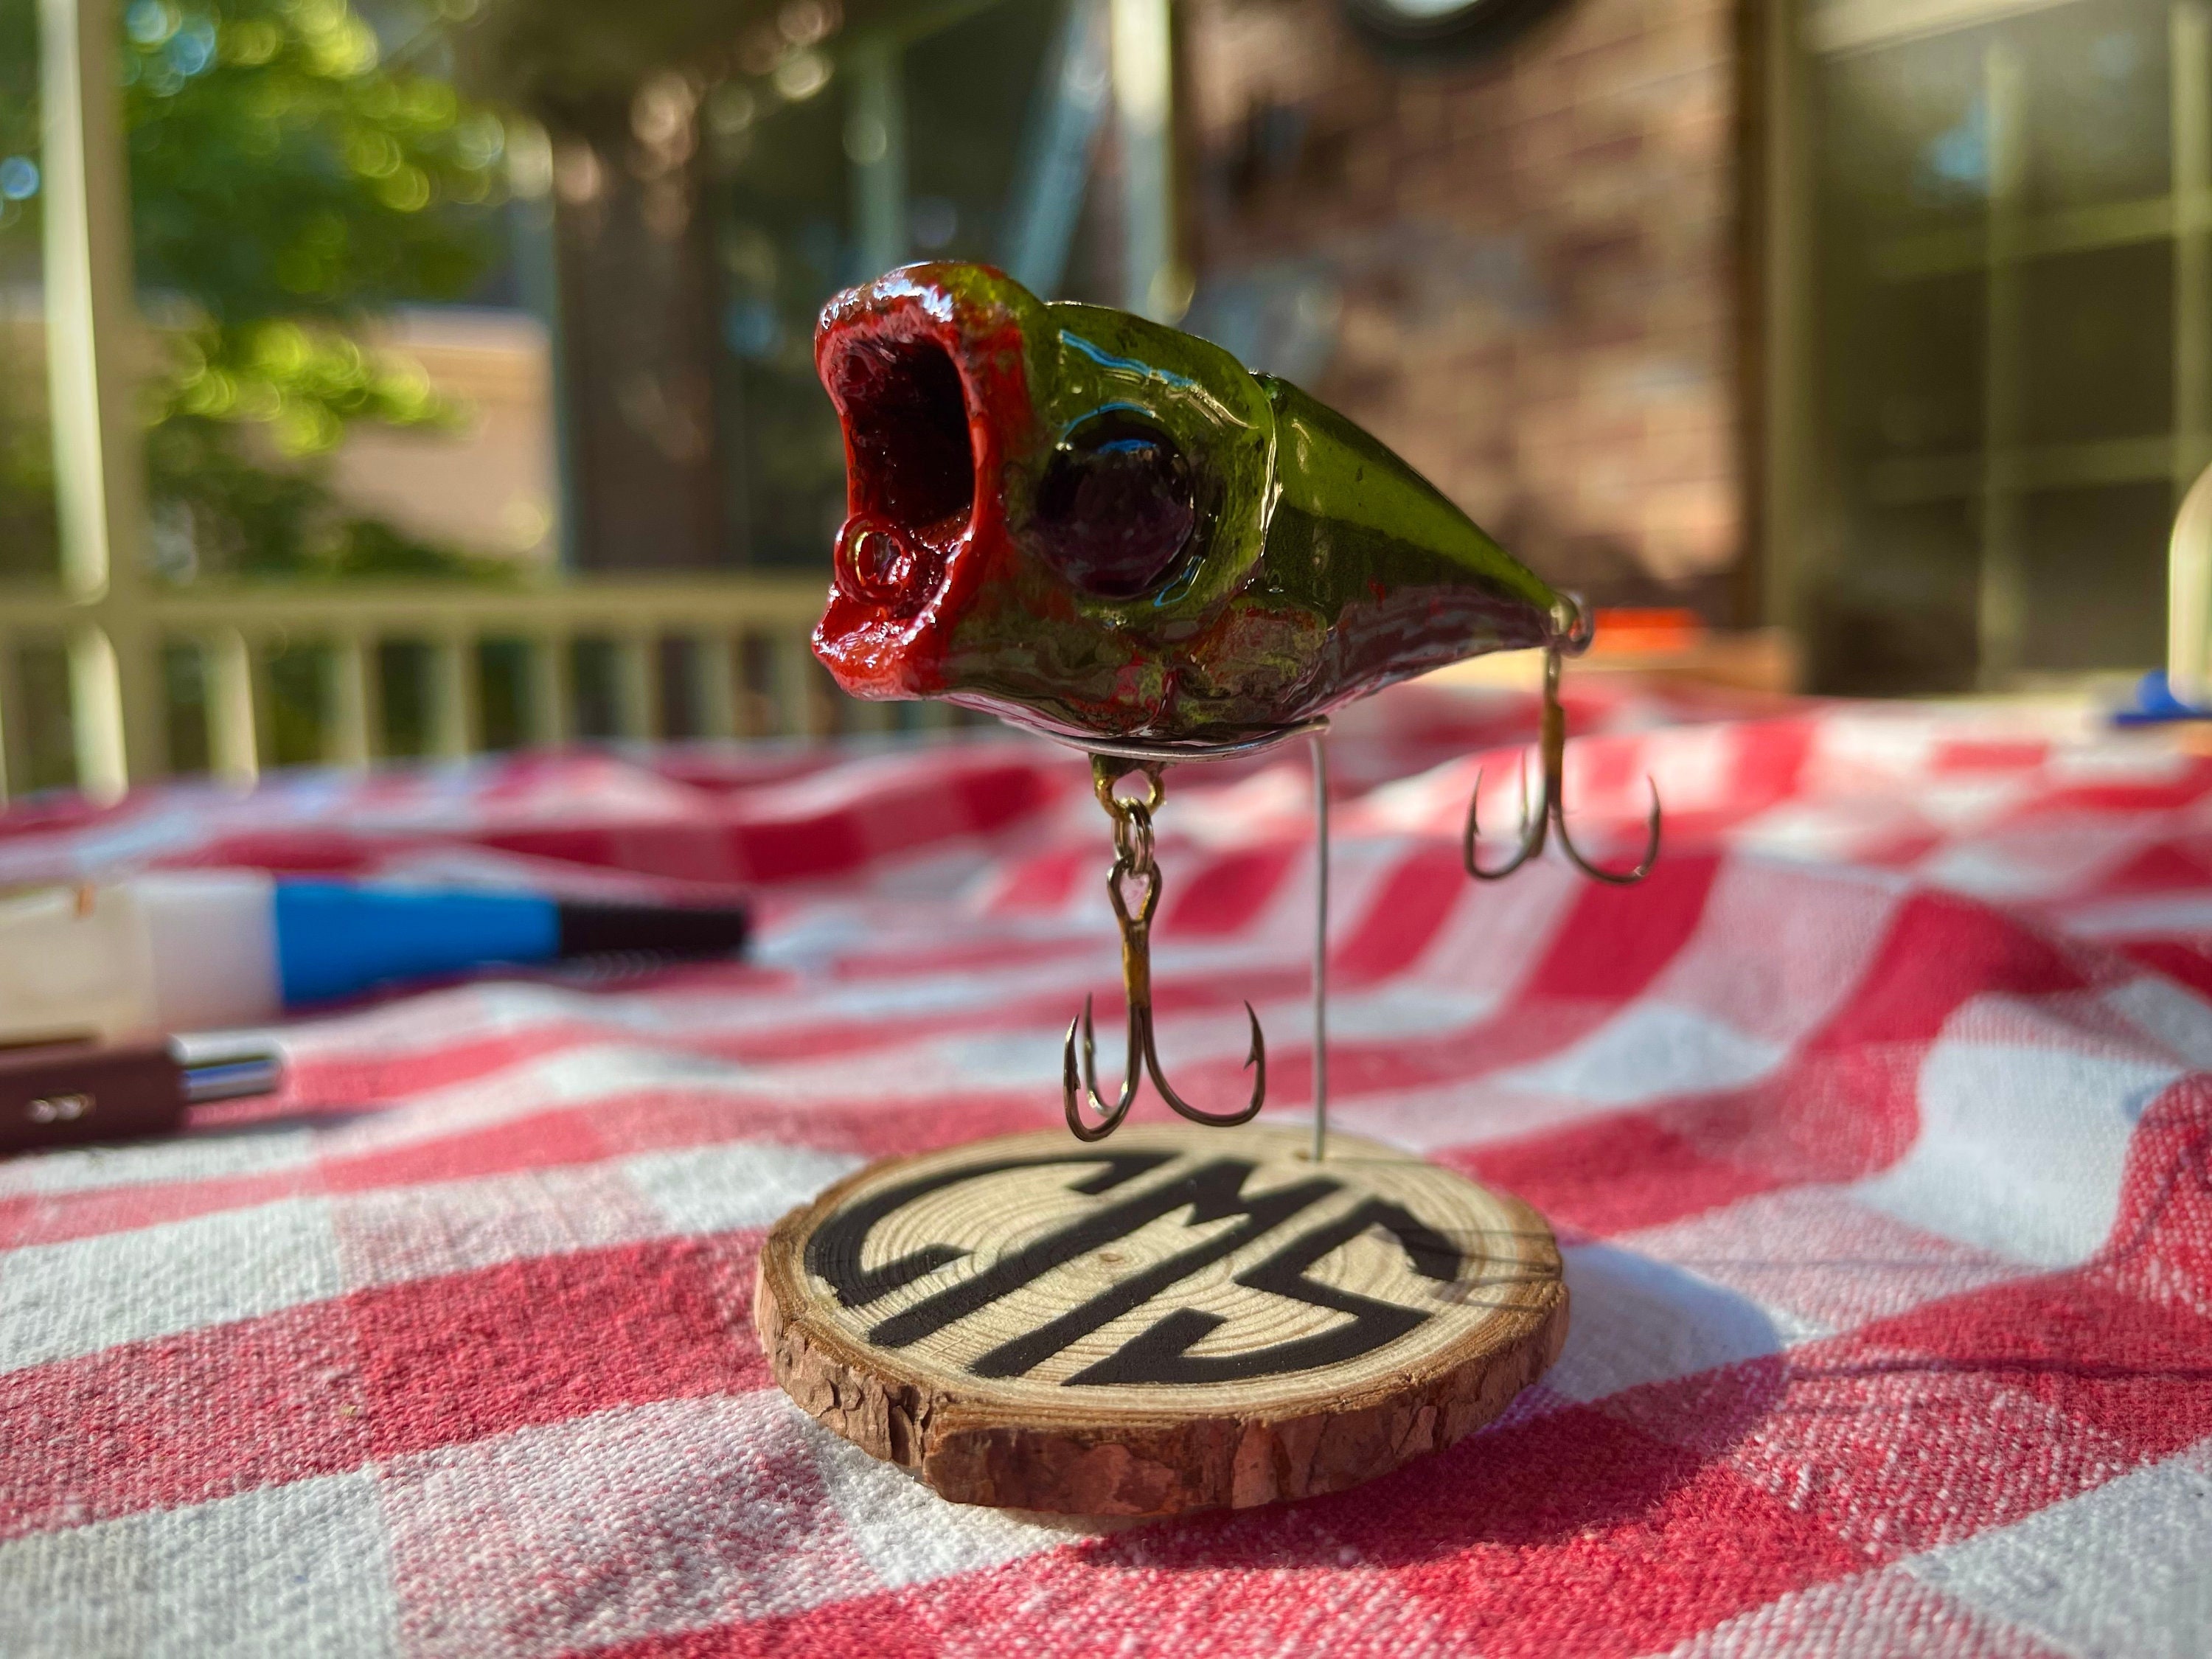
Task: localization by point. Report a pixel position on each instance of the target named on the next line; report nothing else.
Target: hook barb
(1080, 1088)
(1616, 878)
(1532, 832)
(1255, 1060)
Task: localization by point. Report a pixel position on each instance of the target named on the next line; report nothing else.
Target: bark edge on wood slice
(1030, 1322)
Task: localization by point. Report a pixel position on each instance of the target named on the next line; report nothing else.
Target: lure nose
(925, 366)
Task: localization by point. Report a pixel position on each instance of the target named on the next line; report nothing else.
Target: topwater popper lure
(1112, 532)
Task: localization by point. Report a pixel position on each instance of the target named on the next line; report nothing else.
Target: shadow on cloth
(1685, 1368)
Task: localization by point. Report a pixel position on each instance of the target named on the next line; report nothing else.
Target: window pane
(1994, 265)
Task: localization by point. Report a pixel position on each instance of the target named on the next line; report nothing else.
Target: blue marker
(198, 950)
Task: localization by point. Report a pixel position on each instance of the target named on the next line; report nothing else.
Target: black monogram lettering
(1213, 1192)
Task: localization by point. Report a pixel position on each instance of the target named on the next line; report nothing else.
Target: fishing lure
(1090, 524)
(1110, 532)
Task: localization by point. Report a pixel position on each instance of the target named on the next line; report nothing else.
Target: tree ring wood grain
(1177, 1319)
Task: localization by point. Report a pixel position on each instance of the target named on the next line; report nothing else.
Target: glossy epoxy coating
(1098, 525)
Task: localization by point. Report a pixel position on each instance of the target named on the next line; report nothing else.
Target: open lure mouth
(1098, 527)
(913, 472)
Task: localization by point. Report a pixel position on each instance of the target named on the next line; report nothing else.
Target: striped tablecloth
(1877, 1127)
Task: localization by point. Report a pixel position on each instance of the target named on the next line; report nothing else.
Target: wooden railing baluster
(350, 724)
(548, 713)
(637, 683)
(8, 695)
(794, 658)
(233, 746)
(456, 718)
(750, 667)
(714, 684)
(96, 713)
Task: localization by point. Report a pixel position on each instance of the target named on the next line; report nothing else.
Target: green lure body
(1103, 528)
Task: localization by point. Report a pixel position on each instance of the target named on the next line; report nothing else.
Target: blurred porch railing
(743, 664)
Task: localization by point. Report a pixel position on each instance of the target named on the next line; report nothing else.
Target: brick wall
(1518, 270)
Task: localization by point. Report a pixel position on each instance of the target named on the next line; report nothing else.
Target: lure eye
(1115, 507)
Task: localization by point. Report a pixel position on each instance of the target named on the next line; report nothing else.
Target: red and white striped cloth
(1877, 1127)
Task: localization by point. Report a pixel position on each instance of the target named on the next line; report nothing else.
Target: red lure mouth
(927, 380)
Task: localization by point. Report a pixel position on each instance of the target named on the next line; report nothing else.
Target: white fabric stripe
(652, 1520)
(57, 1301)
(1817, 832)
(1812, 1255)
(199, 1157)
(300, 1569)
(1647, 1052)
(395, 1234)
(1774, 952)
(2125, 1568)
(1028, 1058)
(712, 1189)
(1888, 1612)
(495, 1009)
(2050, 854)
(60, 1301)
(2171, 1015)
(910, 1535)
(1429, 802)
(1021, 1059)
(1464, 1112)
(1498, 932)
(573, 1077)
(2021, 1147)
(1777, 948)
(1757, 1277)
(1637, 1321)
(2107, 757)
(2140, 915)
(1865, 751)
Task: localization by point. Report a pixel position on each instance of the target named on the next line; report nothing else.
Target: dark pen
(75, 1094)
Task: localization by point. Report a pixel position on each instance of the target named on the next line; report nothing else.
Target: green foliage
(278, 170)
(306, 383)
(286, 185)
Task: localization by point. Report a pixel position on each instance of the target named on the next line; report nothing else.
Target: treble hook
(1550, 813)
(1132, 861)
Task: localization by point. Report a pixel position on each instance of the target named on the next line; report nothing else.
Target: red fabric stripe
(1046, 882)
(1573, 1534)
(1226, 894)
(1617, 939)
(1939, 952)
(2189, 965)
(2162, 1246)
(316, 1389)
(1404, 913)
(538, 1341)
(334, 1073)
(1966, 1413)
(1770, 760)
(181, 1420)
(1989, 755)
(543, 1140)
(56, 1217)
(1613, 1174)
(2163, 866)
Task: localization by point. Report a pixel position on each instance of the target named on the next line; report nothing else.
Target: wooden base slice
(1175, 1319)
